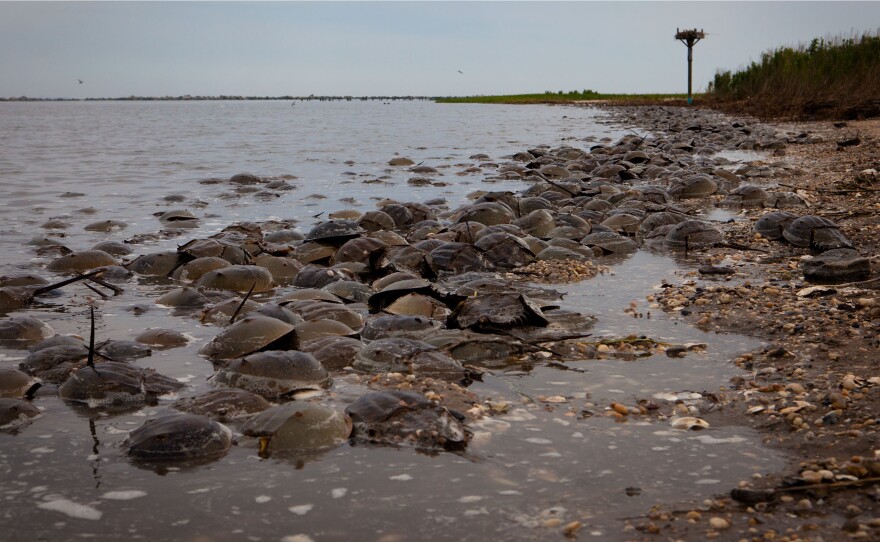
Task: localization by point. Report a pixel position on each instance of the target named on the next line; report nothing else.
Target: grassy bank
(561, 97)
(829, 78)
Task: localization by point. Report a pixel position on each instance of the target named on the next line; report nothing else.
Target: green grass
(829, 78)
(561, 97)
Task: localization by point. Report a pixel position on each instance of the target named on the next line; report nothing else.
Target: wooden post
(690, 38)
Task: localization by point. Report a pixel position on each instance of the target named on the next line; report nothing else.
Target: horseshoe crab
(376, 220)
(488, 213)
(252, 333)
(221, 313)
(456, 258)
(415, 304)
(697, 186)
(155, 264)
(497, 310)
(224, 405)
(480, 349)
(120, 350)
(82, 261)
(407, 356)
(398, 289)
(182, 297)
(107, 384)
(410, 327)
(771, 225)
(654, 221)
(309, 294)
(274, 373)
(162, 338)
(297, 428)
(238, 278)
(361, 249)
(335, 353)
(315, 276)
(693, 234)
(206, 248)
(314, 253)
(405, 418)
(746, 196)
(609, 242)
(23, 330)
(538, 222)
(816, 233)
(14, 383)
(334, 231)
(193, 270)
(350, 290)
(178, 436)
(113, 248)
(315, 329)
(505, 251)
(321, 310)
(16, 413)
(283, 270)
(179, 219)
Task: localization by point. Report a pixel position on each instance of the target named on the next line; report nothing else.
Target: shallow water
(65, 475)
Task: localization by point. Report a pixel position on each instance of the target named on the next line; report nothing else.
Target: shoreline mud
(812, 390)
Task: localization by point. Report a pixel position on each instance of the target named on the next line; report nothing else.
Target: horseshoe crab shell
(609, 242)
(193, 270)
(335, 353)
(250, 334)
(162, 338)
(376, 220)
(488, 213)
(238, 278)
(505, 251)
(274, 373)
(693, 234)
(361, 249)
(315, 329)
(404, 417)
(13, 383)
(182, 297)
(771, 225)
(16, 413)
(155, 264)
(407, 356)
(497, 310)
(283, 270)
(698, 186)
(23, 330)
(107, 384)
(334, 231)
(410, 327)
(220, 313)
(456, 258)
(316, 276)
(177, 436)
(224, 405)
(350, 290)
(81, 261)
(204, 248)
(298, 427)
(816, 233)
(746, 196)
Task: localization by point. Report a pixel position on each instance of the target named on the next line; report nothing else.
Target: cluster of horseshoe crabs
(437, 295)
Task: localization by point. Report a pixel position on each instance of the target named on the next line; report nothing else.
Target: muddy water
(541, 463)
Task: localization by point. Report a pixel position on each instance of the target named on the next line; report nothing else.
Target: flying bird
(461, 72)
(80, 81)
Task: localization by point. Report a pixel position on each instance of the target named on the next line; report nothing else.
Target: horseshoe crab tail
(91, 360)
(57, 285)
(241, 305)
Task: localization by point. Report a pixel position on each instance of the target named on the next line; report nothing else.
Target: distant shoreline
(188, 98)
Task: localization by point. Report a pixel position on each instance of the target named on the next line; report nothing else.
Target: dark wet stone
(837, 265)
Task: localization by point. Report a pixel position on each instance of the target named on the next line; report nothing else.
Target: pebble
(719, 523)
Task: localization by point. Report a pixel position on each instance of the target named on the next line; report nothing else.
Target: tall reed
(834, 77)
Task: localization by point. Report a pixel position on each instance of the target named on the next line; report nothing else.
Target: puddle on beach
(525, 474)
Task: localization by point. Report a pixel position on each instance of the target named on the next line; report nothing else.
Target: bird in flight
(461, 72)
(80, 81)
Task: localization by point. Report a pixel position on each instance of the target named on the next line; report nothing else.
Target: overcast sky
(399, 48)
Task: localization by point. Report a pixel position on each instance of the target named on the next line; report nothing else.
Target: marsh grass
(835, 77)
